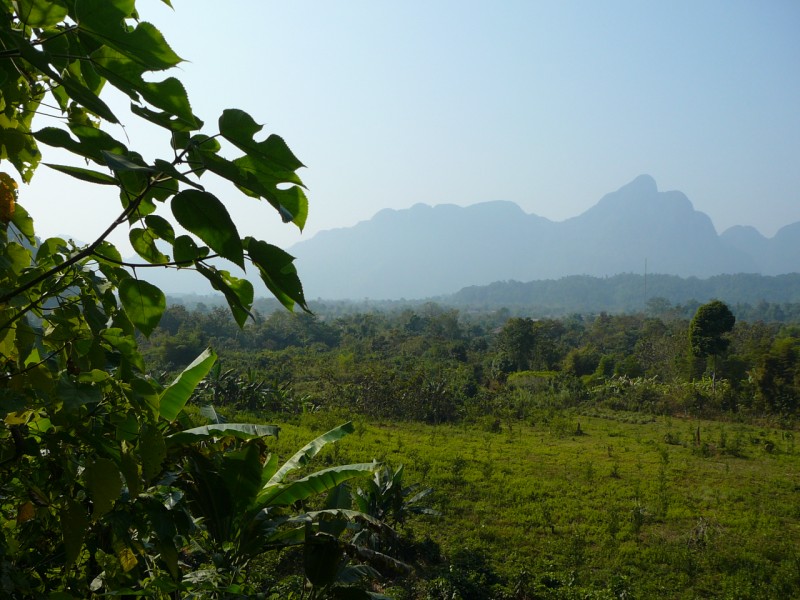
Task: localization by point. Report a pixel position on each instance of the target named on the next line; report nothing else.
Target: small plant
(576, 550)
(723, 437)
(547, 515)
(638, 518)
(663, 491)
(613, 525)
(589, 473)
(457, 468)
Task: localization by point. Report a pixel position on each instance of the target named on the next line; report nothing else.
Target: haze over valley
(427, 251)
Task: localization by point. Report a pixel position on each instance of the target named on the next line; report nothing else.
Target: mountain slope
(428, 251)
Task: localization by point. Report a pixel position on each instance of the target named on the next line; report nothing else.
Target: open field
(613, 505)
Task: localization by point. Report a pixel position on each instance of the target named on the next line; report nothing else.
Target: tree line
(436, 364)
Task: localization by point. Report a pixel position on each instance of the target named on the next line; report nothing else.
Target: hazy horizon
(547, 105)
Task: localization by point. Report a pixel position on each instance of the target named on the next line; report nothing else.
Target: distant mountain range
(428, 251)
(627, 292)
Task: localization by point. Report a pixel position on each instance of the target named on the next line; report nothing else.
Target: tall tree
(707, 331)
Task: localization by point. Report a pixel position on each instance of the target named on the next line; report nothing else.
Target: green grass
(632, 505)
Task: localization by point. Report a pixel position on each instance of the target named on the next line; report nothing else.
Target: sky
(550, 105)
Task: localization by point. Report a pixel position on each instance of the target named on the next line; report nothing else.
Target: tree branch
(89, 250)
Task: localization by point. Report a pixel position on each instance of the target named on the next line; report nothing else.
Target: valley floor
(609, 505)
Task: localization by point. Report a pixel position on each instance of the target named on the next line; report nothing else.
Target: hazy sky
(548, 104)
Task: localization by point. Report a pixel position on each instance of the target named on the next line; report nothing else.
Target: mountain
(427, 251)
(775, 256)
(626, 293)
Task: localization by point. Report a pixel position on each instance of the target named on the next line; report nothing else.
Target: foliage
(639, 506)
(107, 488)
(395, 366)
(751, 296)
(387, 499)
(777, 378)
(708, 328)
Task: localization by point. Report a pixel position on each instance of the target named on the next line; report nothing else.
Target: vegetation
(108, 486)
(494, 456)
(708, 329)
(750, 296)
(587, 457)
(635, 506)
(437, 365)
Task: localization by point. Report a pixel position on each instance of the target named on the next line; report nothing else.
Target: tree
(777, 377)
(708, 329)
(516, 342)
(96, 464)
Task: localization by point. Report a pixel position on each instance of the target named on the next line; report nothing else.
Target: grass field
(607, 505)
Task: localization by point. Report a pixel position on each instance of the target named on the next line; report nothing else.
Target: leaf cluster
(106, 486)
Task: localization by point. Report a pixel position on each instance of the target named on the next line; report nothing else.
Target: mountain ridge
(427, 251)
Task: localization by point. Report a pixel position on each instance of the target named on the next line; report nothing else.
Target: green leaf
(242, 431)
(321, 557)
(277, 271)
(143, 302)
(238, 127)
(205, 216)
(312, 485)
(310, 450)
(14, 258)
(238, 292)
(186, 251)
(58, 138)
(152, 450)
(41, 13)
(23, 222)
(74, 88)
(166, 169)
(292, 205)
(168, 95)
(241, 470)
(74, 524)
(144, 242)
(108, 251)
(22, 151)
(104, 482)
(161, 227)
(258, 179)
(117, 162)
(337, 514)
(175, 396)
(103, 19)
(117, 338)
(127, 426)
(164, 119)
(84, 174)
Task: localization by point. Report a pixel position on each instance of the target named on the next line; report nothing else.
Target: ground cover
(604, 505)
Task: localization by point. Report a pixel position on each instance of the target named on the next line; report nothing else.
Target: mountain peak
(643, 185)
(426, 251)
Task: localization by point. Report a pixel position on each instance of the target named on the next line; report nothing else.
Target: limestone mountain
(428, 251)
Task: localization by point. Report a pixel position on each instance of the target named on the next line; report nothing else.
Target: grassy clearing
(612, 504)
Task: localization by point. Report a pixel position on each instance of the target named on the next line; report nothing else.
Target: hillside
(625, 292)
(427, 251)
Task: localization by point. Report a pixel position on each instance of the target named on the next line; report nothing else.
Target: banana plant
(385, 498)
(248, 504)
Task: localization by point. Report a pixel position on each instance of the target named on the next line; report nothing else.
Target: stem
(89, 250)
(182, 264)
(34, 304)
(41, 362)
